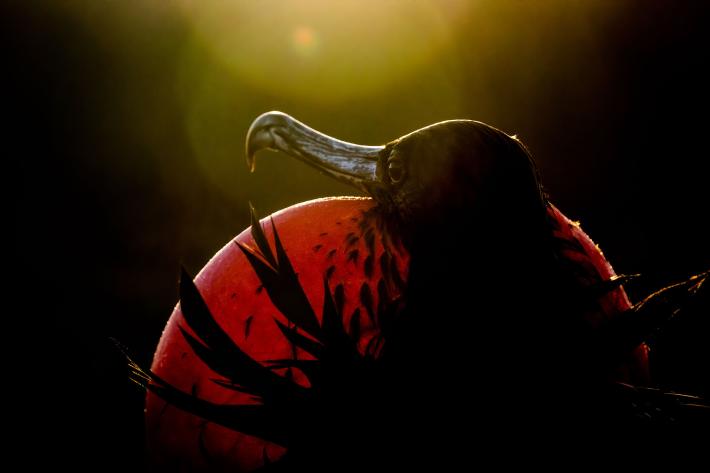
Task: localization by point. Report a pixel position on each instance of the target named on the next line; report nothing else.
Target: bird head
(452, 168)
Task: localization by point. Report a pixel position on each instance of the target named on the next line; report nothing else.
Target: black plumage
(488, 347)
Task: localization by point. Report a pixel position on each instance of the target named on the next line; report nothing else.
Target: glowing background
(136, 111)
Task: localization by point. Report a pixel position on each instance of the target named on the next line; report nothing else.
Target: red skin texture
(316, 235)
(592, 267)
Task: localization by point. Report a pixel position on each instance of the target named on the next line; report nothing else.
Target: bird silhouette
(509, 319)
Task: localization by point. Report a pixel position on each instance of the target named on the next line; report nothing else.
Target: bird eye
(395, 171)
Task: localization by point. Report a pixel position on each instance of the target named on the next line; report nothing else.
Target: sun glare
(305, 40)
(364, 45)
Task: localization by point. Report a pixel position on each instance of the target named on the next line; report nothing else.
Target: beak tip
(259, 136)
(251, 162)
(279, 132)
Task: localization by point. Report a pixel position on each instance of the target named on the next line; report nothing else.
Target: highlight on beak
(348, 162)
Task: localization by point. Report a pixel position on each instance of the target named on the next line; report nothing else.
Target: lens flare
(325, 52)
(305, 40)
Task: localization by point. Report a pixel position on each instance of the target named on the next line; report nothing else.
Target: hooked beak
(347, 162)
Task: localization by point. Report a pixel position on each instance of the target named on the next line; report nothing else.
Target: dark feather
(220, 352)
(257, 232)
(259, 419)
(300, 341)
(602, 288)
(626, 331)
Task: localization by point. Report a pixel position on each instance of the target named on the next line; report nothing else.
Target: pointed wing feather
(284, 289)
(220, 352)
(626, 331)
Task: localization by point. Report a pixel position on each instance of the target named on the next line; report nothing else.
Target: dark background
(127, 137)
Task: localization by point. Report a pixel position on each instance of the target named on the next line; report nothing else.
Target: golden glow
(362, 70)
(305, 54)
(305, 40)
(324, 51)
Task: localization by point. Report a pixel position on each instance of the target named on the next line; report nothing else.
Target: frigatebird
(492, 341)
